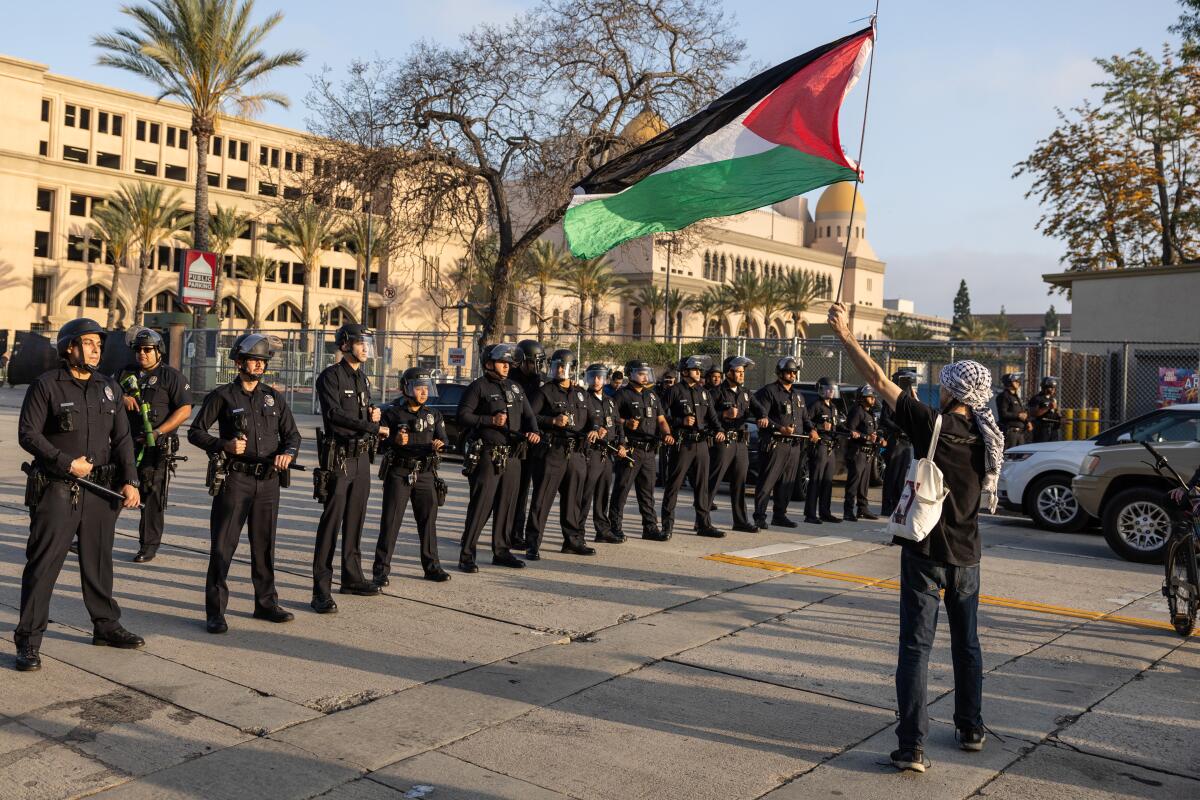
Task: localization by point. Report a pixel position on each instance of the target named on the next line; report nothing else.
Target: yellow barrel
(1093, 422)
(1068, 424)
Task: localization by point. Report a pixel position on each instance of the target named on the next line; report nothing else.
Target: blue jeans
(920, 581)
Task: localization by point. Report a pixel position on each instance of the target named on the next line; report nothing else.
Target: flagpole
(861, 141)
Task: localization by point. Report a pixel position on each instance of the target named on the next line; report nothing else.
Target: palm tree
(256, 268)
(711, 304)
(113, 226)
(771, 302)
(224, 228)
(799, 291)
(544, 263)
(606, 286)
(650, 298)
(745, 296)
(153, 216)
(973, 329)
(364, 236)
(903, 329)
(304, 229)
(205, 54)
(675, 301)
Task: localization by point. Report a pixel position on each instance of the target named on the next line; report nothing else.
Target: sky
(961, 92)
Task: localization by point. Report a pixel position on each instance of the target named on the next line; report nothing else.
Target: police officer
(826, 421)
(863, 445)
(72, 423)
(601, 453)
(564, 420)
(693, 416)
(1043, 407)
(257, 443)
(530, 374)
(645, 425)
(1011, 413)
(735, 407)
(900, 448)
(782, 426)
(351, 432)
(669, 379)
(501, 424)
(167, 397)
(714, 378)
(417, 434)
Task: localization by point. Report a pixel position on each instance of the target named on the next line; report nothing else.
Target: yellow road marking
(984, 599)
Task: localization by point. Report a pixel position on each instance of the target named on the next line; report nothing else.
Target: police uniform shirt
(729, 396)
(530, 383)
(489, 395)
(784, 408)
(681, 398)
(63, 418)
(163, 388)
(552, 400)
(345, 395)
(1042, 400)
(861, 420)
(424, 425)
(1009, 407)
(887, 424)
(270, 429)
(602, 413)
(643, 406)
(821, 413)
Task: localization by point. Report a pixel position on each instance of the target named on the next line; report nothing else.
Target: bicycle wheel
(1181, 585)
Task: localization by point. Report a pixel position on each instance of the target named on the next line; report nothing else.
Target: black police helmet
(1012, 377)
(253, 345)
(502, 353)
(532, 351)
(414, 377)
(1050, 382)
(562, 358)
(692, 362)
(733, 362)
(76, 328)
(713, 370)
(144, 337)
(824, 382)
(351, 333)
(788, 364)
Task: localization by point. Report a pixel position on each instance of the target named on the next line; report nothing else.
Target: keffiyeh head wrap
(970, 383)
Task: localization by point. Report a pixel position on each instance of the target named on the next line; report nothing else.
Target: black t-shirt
(960, 457)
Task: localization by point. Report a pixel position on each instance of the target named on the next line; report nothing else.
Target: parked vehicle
(1118, 485)
(1037, 478)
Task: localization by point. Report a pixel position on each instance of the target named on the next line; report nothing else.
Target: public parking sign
(458, 357)
(198, 279)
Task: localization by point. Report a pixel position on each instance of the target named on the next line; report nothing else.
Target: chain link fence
(1100, 383)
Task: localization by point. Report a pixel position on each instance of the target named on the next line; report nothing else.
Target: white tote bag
(920, 505)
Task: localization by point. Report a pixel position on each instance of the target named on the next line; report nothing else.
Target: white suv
(1036, 479)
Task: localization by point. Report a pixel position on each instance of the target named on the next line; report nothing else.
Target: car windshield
(449, 393)
(1169, 426)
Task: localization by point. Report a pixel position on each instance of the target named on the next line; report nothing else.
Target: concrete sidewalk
(649, 671)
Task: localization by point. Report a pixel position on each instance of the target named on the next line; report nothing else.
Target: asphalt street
(759, 665)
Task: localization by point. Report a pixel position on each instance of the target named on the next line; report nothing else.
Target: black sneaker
(971, 739)
(909, 759)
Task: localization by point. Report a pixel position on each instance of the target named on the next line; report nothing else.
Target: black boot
(28, 659)
(117, 637)
(323, 604)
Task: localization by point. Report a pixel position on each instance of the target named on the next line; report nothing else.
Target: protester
(969, 454)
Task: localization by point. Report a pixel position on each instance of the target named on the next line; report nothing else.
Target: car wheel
(1137, 525)
(1053, 506)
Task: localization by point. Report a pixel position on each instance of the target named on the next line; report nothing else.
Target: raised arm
(866, 366)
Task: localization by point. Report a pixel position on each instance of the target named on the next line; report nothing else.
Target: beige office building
(65, 144)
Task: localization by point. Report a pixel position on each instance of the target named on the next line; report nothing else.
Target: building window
(339, 317)
(81, 205)
(183, 139)
(248, 231)
(143, 167)
(139, 130)
(103, 118)
(118, 125)
(232, 309)
(291, 193)
(236, 184)
(45, 199)
(637, 323)
(268, 189)
(43, 148)
(612, 323)
(154, 130)
(95, 296)
(268, 156)
(76, 154)
(41, 289)
(170, 136)
(162, 303)
(76, 248)
(175, 173)
(284, 312)
(108, 160)
(41, 244)
(215, 146)
(102, 122)
(214, 179)
(69, 116)
(45, 109)
(350, 281)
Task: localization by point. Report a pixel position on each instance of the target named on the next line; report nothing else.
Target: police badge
(153, 380)
(269, 401)
(108, 392)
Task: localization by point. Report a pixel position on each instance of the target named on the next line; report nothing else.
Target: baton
(103, 492)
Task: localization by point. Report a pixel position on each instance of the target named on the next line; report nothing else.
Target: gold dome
(644, 127)
(836, 200)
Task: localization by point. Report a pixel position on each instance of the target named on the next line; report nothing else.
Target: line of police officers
(99, 444)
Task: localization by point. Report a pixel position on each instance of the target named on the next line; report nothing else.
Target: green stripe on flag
(672, 200)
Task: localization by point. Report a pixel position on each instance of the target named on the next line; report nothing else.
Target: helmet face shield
(643, 376)
(368, 342)
(827, 391)
(411, 386)
(593, 372)
(504, 352)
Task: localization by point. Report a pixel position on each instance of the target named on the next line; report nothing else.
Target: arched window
(612, 323)
(284, 312)
(94, 296)
(232, 309)
(554, 321)
(339, 317)
(678, 324)
(707, 265)
(724, 273)
(637, 322)
(163, 302)
(567, 320)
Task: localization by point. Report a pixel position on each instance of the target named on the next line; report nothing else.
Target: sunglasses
(145, 349)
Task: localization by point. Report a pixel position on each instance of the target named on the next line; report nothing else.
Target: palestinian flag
(771, 138)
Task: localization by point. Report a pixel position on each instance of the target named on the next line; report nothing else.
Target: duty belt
(646, 446)
(415, 464)
(737, 435)
(254, 468)
(503, 449)
(104, 474)
(690, 437)
(355, 446)
(568, 443)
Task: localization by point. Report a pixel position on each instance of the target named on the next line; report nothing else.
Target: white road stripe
(787, 547)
